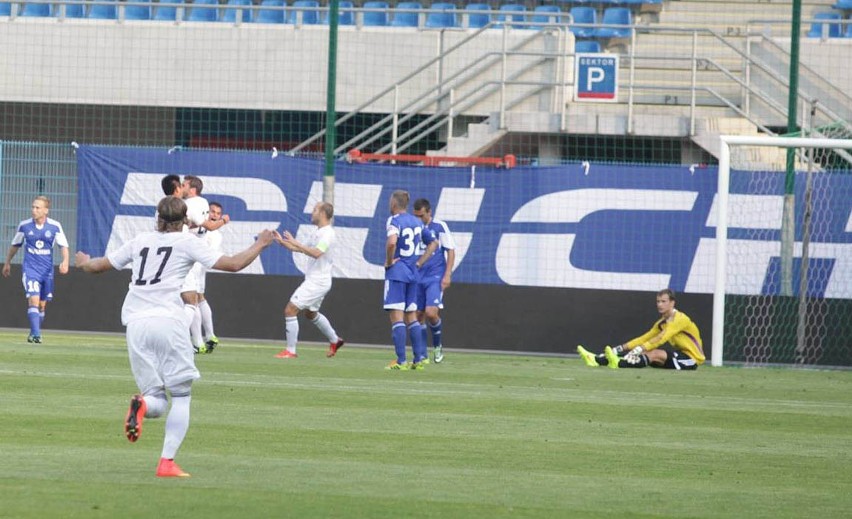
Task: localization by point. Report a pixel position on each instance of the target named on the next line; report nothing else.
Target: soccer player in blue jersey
(435, 276)
(38, 235)
(405, 233)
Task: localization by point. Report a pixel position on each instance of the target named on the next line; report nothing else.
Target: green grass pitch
(479, 436)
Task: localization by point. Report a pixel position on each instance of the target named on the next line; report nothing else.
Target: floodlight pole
(788, 225)
(330, 108)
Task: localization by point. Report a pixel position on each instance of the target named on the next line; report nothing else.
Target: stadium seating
(583, 14)
(137, 12)
(829, 19)
(587, 46)
(166, 12)
(345, 17)
(511, 13)
(5, 9)
(545, 14)
(376, 18)
(229, 13)
(103, 12)
(615, 16)
(477, 20)
(203, 11)
(403, 19)
(35, 10)
(309, 10)
(843, 5)
(849, 29)
(271, 15)
(438, 18)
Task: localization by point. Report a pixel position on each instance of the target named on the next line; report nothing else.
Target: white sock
(321, 322)
(195, 327)
(206, 318)
(177, 423)
(291, 326)
(157, 405)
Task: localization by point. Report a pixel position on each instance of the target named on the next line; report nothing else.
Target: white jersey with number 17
(160, 261)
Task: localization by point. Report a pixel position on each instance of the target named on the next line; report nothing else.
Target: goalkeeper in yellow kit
(673, 327)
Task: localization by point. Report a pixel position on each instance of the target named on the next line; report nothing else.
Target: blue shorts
(38, 285)
(429, 293)
(400, 295)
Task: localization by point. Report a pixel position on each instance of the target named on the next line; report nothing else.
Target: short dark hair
(170, 183)
(216, 204)
(194, 182)
(422, 204)
(171, 213)
(667, 292)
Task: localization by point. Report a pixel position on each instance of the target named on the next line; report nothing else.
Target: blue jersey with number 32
(410, 234)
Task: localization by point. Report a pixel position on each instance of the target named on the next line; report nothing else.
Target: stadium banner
(610, 227)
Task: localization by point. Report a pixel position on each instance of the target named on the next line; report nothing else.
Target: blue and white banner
(604, 227)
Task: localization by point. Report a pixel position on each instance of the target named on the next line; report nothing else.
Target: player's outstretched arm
(243, 259)
(91, 265)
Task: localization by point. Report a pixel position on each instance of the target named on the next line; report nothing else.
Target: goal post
(765, 324)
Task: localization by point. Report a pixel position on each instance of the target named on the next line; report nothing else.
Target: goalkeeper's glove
(638, 350)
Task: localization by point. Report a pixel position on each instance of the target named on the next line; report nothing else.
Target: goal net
(783, 291)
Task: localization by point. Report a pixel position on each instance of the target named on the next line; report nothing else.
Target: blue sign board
(596, 78)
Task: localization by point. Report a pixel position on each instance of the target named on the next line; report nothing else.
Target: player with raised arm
(308, 297)
(404, 235)
(674, 327)
(435, 277)
(214, 239)
(158, 345)
(197, 211)
(37, 236)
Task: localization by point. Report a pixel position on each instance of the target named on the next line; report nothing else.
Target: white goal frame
(723, 187)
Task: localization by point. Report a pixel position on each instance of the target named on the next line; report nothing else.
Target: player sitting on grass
(673, 327)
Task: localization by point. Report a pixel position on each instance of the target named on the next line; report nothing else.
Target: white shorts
(161, 355)
(196, 279)
(309, 295)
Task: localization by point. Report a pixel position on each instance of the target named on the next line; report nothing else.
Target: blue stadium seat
(615, 16)
(166, 12)
(545, 14)
(309, 10)
(438, 17)
(511, 13)
(477, 20)
(587, 46)
(36, 10)
(344, 17)
(583, 14)
(833, 28)
(271, 15)
(203, 11)
(137, 12)
(402, 19)
(843, 5)
(103, 12)
(849, 29)
(229, 13)
(376, 18)
(5, 9)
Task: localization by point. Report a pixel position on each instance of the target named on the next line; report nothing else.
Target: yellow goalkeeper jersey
(679, 331)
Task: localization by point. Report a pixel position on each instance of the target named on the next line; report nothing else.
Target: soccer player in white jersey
(158, 345)
(37, 236)
(197, 210)
(308, 297)
(214, 239)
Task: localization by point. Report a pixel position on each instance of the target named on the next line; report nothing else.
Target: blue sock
(418, 345)
(425, 337)
(436, 333)
(398, 334)
(35, 320)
